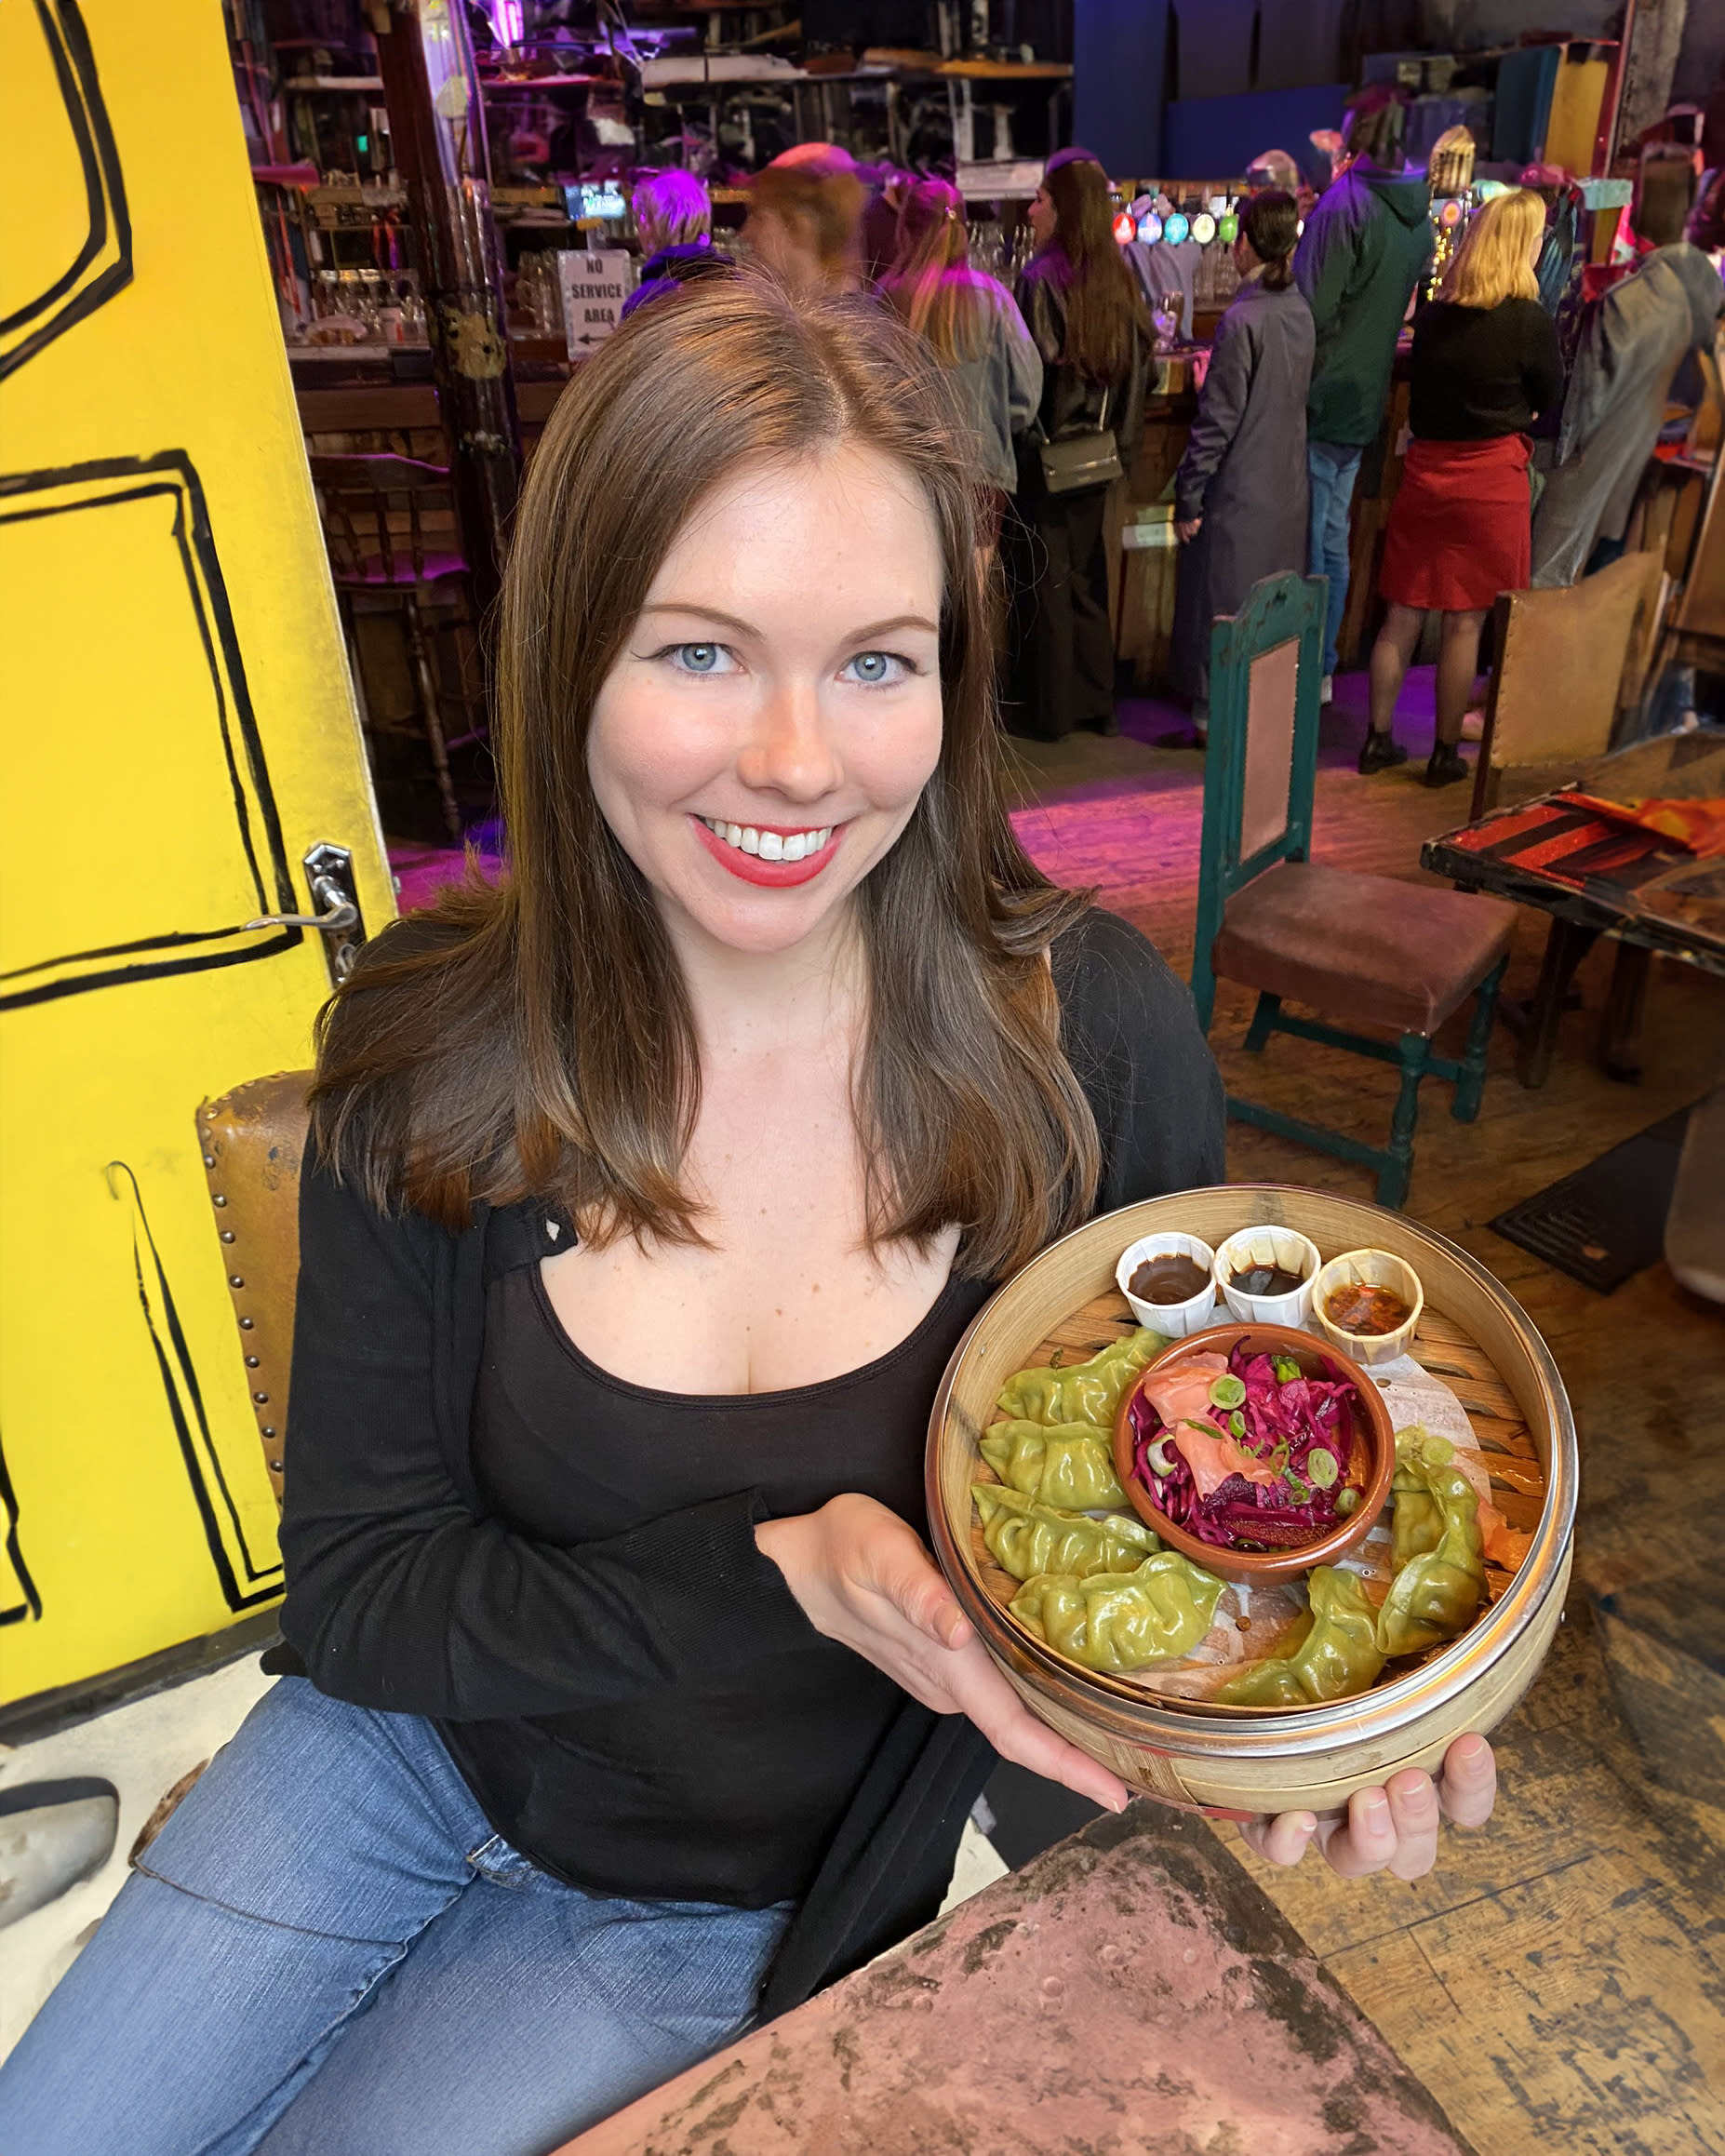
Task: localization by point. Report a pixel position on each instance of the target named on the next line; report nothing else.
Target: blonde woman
(672, 210)
(1485, 366)
(969, 323)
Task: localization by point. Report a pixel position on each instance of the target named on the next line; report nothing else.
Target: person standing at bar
(1366, 246)
(1096, 339)
(1486, 364)
(969, 323)
(1237, 517)
(674, 218)
(1632, 345)
(805, 221)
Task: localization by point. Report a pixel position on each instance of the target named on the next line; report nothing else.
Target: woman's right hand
(862, 1577)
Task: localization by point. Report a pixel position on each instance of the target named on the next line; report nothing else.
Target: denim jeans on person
(328, 1952)
(1332, 468)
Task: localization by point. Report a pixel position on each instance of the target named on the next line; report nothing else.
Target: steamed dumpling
(1338, 1657)
(1026, 1537)
(1116, 1621)
(1081, 1392)
(1070, 1465)
(1437, 1592)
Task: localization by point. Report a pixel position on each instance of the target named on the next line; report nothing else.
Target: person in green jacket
(1366, 248)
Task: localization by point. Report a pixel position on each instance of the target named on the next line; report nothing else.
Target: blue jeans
(1332, 469)
(328, 1952)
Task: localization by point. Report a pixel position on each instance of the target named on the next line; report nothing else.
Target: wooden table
(1585, 906)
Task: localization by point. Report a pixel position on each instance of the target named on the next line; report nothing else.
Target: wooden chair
(381, 516)
(1569, 663)
(1370, 950)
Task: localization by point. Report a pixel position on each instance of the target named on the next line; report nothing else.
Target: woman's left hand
(1394, 1829)
(1188, 531)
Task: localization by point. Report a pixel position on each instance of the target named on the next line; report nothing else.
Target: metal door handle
(329, 878)
(342, 914)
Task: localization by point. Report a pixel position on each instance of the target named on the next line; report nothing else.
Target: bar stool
(376, 510)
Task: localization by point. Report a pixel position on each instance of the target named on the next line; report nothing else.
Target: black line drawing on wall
(162, 495)
(246, 1580)
(102, 264)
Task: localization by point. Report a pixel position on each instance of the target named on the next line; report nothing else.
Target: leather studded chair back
(253, 1141)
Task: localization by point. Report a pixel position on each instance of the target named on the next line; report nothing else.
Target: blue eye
(697, 658)
(874, 669)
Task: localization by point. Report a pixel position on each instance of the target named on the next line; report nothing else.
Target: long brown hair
(1270, 218)
(929, 282)
(1104, 308)
(535, 1035)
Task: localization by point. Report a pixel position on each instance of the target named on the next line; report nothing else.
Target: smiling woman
(650, 1190)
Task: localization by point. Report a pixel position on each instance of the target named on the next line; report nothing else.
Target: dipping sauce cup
(1173, 1319)
(1268, 1245)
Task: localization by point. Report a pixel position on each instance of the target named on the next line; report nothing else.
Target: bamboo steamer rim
(1203, 1728)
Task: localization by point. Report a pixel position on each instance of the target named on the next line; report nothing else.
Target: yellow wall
(178, 731)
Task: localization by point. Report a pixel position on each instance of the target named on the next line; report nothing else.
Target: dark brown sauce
(1369, 1310)
(1267, 1280)
(1172, 1278)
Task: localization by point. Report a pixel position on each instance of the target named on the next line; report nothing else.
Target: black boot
(1382, 752)
(1446, 765)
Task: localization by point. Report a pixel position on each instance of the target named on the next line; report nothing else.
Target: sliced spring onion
(1236, 1423)
(1286, 1369)
(1322, 1467)
(1157, 1455)
(1348, 1501)
(1227, 1391)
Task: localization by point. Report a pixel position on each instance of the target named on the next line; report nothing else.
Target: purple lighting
(508, 21)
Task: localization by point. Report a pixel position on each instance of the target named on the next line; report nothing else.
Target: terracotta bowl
(1372, 1430)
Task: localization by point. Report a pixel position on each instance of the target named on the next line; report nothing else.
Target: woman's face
(775, 713)
(1043, 217)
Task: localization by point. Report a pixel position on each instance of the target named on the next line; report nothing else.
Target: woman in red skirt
(1485, 365)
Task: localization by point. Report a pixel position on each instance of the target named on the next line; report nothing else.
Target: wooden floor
(1558, 1982)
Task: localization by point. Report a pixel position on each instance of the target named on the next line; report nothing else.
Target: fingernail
(1376, 1809)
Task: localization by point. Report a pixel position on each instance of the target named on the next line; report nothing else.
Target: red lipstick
(774, 875)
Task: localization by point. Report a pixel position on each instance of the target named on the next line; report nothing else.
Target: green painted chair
(1369, 951)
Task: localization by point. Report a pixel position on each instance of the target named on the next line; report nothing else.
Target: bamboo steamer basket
(1234, 1763)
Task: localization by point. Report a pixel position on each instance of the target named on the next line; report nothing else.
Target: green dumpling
(1338, 1657)
(1116, 1621)
(1081, 1392)
(1437, 1591)
(1417, 1518)
(1025, 1537)
(1070, 1465)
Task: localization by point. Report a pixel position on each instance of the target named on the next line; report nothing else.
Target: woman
(1086, 314)
(648, 1193)
(1240, 491)
(805, 221)
(969, 322)
(674, 218)
(1485, 365)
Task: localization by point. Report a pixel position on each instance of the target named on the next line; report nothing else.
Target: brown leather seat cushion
(1368, 949)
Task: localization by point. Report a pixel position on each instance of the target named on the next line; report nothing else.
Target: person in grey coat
(1240, 491)
(1631, 347)
(969, 323)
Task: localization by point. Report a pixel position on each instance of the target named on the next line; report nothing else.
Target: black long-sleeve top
(626, 1683)
(1479, 373)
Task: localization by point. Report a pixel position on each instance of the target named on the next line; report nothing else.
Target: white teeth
(771, 845)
